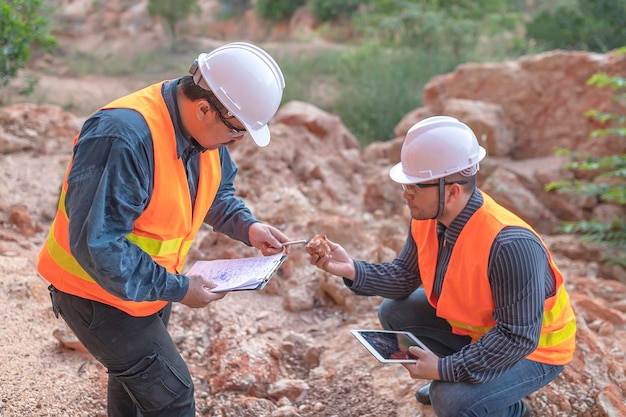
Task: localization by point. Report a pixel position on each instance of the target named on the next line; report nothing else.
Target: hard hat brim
(397, 174)
(260, 135)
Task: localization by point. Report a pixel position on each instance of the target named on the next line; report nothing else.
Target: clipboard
(239, 274)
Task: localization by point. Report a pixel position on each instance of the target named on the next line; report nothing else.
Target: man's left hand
(427, 366)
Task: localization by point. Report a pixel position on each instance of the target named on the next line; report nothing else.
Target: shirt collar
(451, 233)
(184, 142)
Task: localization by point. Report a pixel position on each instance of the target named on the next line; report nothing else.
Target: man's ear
(456, 191)
(203, 109)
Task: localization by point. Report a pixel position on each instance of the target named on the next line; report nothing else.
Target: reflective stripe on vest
(545, 340)
(469, 308)
(166, 228)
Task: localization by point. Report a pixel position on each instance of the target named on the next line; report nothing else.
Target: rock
(68, 340)
(290, 388)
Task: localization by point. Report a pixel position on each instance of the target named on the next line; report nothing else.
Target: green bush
(609, 177)
(593, 25)
(421, 25)
(329, 10)
(275, 10)
(22, 27)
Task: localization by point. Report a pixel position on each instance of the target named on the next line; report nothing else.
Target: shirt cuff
(359, 277)
(446, 369)
(178, 289)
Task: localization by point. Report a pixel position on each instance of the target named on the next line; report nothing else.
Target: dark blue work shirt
(110, 185)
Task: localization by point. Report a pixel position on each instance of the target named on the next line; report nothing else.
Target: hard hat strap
(442, 196)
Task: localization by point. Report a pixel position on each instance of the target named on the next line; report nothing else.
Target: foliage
(404, 43)
(329, 10)
(231, 8)
(448, 26)
(609, 172)
(275, 10)
(370, 87)
(21, 28)
(593, 25)
(173, 12)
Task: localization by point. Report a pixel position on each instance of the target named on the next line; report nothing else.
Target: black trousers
(147, 375)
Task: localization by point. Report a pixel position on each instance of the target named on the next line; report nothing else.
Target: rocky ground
(284, 351)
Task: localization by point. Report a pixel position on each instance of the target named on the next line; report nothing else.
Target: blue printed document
(240, 273)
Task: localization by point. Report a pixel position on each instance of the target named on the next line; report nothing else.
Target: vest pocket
(154, 383)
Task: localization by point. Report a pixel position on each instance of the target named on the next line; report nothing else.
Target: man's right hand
(199, 292)
(336, 262)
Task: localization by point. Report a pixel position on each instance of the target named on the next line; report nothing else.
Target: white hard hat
(436, 147)
(247, 81)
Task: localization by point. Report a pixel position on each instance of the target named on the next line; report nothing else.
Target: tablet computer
(389, 346)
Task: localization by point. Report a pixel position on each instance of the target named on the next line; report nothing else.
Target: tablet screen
(387, 345)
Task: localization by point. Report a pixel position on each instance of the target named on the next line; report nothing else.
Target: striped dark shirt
(520, 279)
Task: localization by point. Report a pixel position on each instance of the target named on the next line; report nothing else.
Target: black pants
(147, 375)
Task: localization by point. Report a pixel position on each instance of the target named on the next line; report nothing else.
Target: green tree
(172, 12)
(22, 29)
(608, 183)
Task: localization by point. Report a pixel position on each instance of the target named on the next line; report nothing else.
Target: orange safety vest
(466, 301)
(167, 227)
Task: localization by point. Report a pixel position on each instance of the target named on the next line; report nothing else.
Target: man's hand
(199, 292)
(337, 262)
(268, 239)
(427, 366)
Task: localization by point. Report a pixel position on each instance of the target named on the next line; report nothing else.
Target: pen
(295, 242)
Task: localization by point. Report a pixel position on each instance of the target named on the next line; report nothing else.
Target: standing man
(473, 281)
(146, 171)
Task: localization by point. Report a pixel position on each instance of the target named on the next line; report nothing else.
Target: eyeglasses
(412, 188)
(234, 132)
